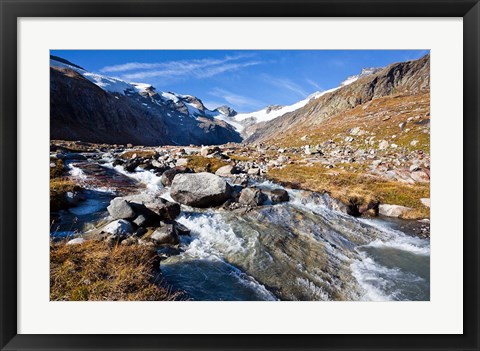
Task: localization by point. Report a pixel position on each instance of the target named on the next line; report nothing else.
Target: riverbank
(222, 231)
(373, 182)
(96, 271)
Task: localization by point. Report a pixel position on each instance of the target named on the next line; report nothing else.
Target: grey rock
(120, 209)
(425, 201)
(357, 131)
(167, 176)
(76, 241)
(200, 189)
(414, 167)
(182, 162)
(129, 241)
(252, 197)
(310, 150)
(382, 145)
(394, 210)
(241, 180)
(208, 150)
(119, 228)
(180, 229)
(140, 221)
(131, 165)
(420, 176)
(226, 171)
(253, 171)
(167, 210)
(165, 235)
(278, 195)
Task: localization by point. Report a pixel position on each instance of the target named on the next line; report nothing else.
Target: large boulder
(131, 165)
(227, 170)
(167, 176)
(420, 176)
(165, 235)
(180, 229)
(252, 197)
(253, 171)
(152, 207)
(76, 241)
(278, 195)
(394, 210)
(200, 189)
(119, 228)
(120, 209)
(208, 150)
(168, 210)
(182, 162)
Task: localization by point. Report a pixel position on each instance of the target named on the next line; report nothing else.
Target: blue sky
(246, 80)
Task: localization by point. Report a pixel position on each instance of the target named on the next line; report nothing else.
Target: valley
(325, 199)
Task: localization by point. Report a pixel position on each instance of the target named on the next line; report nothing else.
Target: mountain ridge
(94, 108)
(139, 114)
(408, 77)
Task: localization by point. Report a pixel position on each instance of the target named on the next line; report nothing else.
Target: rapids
(304, 249)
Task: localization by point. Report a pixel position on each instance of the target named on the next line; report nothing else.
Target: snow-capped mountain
(124, 112)
(271, 112)
(365, 72)
(245, 122)
(94, 107)
(187, 104)
(411, 77)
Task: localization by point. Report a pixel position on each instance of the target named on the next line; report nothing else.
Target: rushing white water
(146, 177)
(305, 249)
(395, 267)
(397, 239)
(212, 239)
(82, 179)
(76, 172)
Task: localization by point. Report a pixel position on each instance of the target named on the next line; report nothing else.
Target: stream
(303, 249)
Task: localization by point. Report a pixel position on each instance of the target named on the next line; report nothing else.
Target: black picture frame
(11, 10)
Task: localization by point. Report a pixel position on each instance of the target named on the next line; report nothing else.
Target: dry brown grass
(205, 164)
(240, 158)
(58, 188)
(345, 185)
(380, 118)
(58, 170)
(94, 271)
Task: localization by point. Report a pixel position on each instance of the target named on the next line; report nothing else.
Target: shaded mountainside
(82, 110)
(79, 110)
(399, 79)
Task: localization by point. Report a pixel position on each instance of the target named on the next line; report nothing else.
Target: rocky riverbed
(225, 231)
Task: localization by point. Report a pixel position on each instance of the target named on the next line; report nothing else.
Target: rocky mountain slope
(400, 79)
(94, 108)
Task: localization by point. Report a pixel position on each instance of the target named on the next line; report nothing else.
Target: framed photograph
(239, 175)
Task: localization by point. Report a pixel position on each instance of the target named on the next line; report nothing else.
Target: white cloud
(286, 84)
(314, 84)
(238, 101)
(197, 68)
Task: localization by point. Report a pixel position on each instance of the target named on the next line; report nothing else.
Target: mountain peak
(365, 72)
(129, 112)
(226, 111)
(62, 60)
